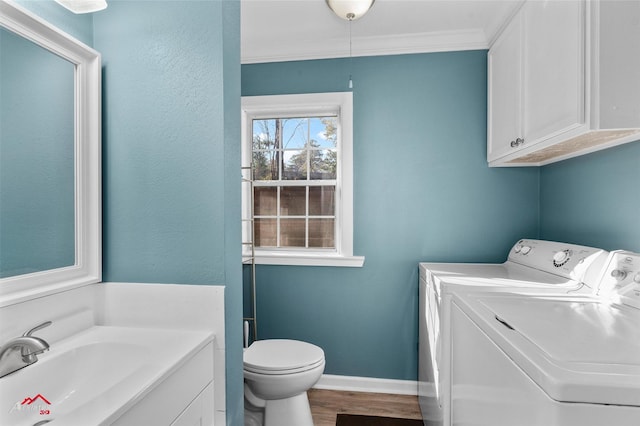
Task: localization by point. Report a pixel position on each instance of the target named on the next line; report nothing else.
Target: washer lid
(577, 349)
(584, 332)
(281, 354)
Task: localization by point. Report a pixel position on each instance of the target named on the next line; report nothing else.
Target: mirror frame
(88, 191)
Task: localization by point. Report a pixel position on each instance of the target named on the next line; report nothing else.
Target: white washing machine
(545, 360)
(532, 266)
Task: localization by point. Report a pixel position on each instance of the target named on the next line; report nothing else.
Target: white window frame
(314, 104)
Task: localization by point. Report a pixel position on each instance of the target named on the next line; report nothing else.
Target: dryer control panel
(620, 280)
(563, 259)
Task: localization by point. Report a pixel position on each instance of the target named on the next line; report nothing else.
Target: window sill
(307, 259)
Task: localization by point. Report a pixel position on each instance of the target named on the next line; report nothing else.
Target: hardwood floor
(326, 404)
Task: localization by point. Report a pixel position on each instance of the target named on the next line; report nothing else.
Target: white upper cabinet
(564, 80)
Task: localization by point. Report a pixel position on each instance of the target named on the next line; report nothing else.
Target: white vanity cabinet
(564, 79)
(185, 398)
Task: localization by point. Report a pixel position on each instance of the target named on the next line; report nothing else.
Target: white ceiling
(284, 30)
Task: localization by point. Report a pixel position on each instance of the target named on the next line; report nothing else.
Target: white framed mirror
(50, 155)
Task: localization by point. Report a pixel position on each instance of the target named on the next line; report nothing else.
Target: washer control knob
(619, 275)
(517, 248)
(637, 278)
(525, 249)
(560, 256)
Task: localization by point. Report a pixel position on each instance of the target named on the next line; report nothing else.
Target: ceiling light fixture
(350, 10)
(83, 6)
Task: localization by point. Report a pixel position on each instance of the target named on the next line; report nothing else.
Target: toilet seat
(281, 356)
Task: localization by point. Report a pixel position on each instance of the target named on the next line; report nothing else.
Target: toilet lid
(278, 355)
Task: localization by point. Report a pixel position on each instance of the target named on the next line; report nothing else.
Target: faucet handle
(28, 356)
(36, 328)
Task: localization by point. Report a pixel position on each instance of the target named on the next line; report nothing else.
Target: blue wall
(171, 118)
(594, 199)
(423, 191)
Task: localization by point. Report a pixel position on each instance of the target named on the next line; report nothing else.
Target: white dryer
(547, 360)
(532, 266)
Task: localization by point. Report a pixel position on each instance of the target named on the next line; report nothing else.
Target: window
(299, 148)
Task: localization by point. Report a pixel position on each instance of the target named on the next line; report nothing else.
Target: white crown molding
(299, 50)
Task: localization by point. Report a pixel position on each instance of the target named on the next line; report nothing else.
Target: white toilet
(277, 375)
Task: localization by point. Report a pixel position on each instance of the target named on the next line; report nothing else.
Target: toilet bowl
(277, 375)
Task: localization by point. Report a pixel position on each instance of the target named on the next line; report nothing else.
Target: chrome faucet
(22, 351)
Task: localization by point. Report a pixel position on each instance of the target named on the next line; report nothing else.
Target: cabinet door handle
(516, 143)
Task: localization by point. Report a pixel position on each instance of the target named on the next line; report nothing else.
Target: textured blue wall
(163, 142)
(594, 199)
(171, 117)
(423, 192)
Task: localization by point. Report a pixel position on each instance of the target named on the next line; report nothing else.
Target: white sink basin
(93, 377)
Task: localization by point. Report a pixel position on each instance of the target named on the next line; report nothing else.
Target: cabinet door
(553, 68)
(505, 90)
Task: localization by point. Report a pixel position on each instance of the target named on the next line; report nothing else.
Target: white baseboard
(367, 384)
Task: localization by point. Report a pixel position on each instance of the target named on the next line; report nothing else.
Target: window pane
(295, 132)
(322, 200)
(264, 134)
(295, 167)
(323, 164)
(265, 201)
(265, 165)
(292, 233)
(265, 232)
(293, 201)
(321, 233)
(323, 130)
